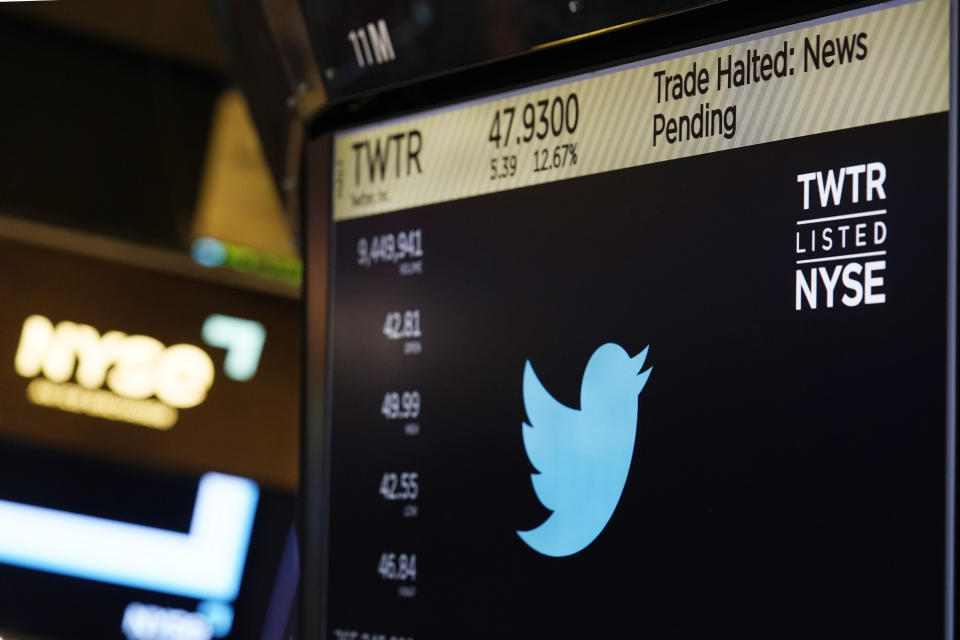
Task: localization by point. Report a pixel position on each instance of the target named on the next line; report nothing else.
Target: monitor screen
(664, 349)
(148, 446)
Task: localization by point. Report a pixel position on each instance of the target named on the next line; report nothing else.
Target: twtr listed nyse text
(840, 256)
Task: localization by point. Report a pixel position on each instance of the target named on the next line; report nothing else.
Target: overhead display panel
(661, 350)
(374, 44)
(147, 367)
(148, 447)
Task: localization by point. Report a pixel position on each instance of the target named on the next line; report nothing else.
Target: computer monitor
(652, 334)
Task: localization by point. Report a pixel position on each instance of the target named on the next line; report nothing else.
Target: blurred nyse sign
(134, 368)
(93, 350)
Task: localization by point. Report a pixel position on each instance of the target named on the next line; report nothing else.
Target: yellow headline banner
(878, 65)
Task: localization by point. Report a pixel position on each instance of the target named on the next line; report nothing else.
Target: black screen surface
(786, 460)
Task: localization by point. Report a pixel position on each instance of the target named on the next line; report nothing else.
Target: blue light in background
(209, 252)
(206, 563)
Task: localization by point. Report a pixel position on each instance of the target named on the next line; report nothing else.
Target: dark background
(108, 109)
(788, 479)
(112, 144)
(121, 471)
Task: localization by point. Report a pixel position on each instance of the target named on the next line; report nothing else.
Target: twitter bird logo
(582, 456)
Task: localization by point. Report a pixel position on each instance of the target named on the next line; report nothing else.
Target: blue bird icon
(582, 456)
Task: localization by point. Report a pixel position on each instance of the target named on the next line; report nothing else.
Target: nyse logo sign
(117, 376)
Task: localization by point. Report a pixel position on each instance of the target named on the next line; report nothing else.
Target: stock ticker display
(148, 452)
(654, 351)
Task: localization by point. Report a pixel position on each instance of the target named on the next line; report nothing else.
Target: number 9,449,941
(390, 247)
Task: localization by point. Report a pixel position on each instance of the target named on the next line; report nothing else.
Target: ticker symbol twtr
(582, 456)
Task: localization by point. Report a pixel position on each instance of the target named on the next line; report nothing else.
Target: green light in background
(211, 252)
